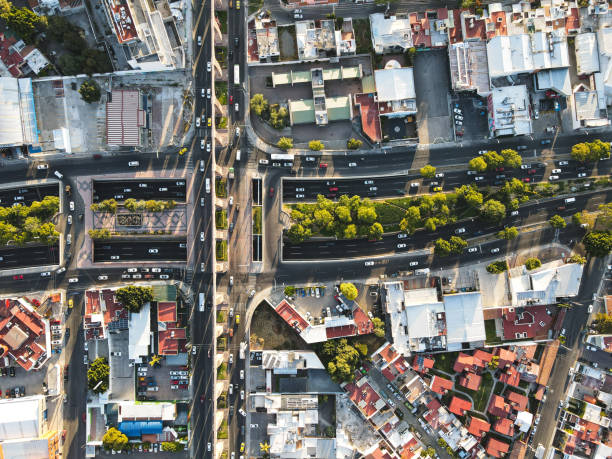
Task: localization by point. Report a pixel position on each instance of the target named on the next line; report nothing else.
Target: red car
(323, 165)
(333, 188)
(500, 169)
(526, 180)
(18, 277)
(231, 99)
(202, 398)
(531, 171)
(174, 381)
(271, 191)
(183, 386)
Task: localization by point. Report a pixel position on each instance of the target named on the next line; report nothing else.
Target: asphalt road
(27, 194)
(153, 250)
(39, 255)
(532, 212)
(166, 189)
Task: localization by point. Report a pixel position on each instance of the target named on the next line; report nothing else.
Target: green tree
(511, 158)
(457, 244)
(598, 243)
(133, 297)
(259, 105)
(350, 232)
(557, 221)
(344, 214)
(430, 224)
(493, 159)
(604, 218)
(580, 152)
(322, 218)
(428, 171)
(23, 21)
(114, 439)
(362, 348)
(532, 263)
(316, 145)
(577, 259)
(411, 220)
(375, 232)
(297, 233)
(354, 144)
(578, 218)
(349, 290)
(477, 164)
(442, 247)
(285, 143)
(97, 375)
(100, 234)
(379, 327)
(508, 233)
(497, 267)
(366, 214)
(493, 210)
(90, 91)
(172, 446)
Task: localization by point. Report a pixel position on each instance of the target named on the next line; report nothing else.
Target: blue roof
(138, 428)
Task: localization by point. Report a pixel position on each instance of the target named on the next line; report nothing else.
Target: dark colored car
(12, 371)
(271, 191)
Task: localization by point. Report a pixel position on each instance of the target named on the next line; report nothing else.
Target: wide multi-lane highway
(25, 195)
(153, 250)
(162, 189)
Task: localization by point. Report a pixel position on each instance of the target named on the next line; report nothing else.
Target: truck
(237, 74)
(540, 451)
(242, 349)
(231, 173)
(201, 305)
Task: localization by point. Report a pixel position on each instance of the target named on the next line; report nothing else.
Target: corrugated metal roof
(124, 118)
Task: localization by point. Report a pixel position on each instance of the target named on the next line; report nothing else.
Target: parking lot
(432, 85)
(171, 381)
(472, 116)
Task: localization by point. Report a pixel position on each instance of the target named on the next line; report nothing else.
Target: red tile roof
(483, 356)
(370, 122)
(497, 448)
(532, 322)
(506, 357)
(421, 363)
(362, 322)
(387, 373)
(440, 385)
(572, 21)
(498, 18)
(459, 406)
(455, 34)
(363, 397)
(498, 407)
(171, 341)
(463, 363)
(539, 393)
(504, 426)
(478, 427)
(388, 354)
(470, 380)
(474, 28)
(290, 315)
(517, 401)
(123, 24)
(433, 404)
(587, 431)
(511, 377)
(547, 361)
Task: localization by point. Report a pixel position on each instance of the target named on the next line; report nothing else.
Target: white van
(237, 155)
(207, 185)
(58, 175)
(570, 200)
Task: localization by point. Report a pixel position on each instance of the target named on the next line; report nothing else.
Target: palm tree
(264, 447)
(155, 360)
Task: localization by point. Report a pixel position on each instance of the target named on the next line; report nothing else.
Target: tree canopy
(285, 143)
(557, 221)
(134, 297)
(591, 151)
(90, 91)
(493, 210)
(114, 439)
(508, 233)
(598, 243)
(316, 145)
(340, 358)
(23, 21)
(349, 290)
(532, 263)
(497, 267)
(354, 144)
(97, 375)
(428, 171)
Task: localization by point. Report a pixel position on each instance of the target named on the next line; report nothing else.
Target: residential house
(459, 406)
(498, 407)
(440, 385)
(497, 448)
(478, 427)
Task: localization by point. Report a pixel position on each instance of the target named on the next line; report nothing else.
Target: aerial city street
(326, 229)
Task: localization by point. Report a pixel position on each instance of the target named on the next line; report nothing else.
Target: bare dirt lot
(276, 334)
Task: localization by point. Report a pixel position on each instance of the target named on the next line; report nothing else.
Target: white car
(137, 276)
(413, 263)
(198, 121)
(514, 213)
(209, 446)
(69, 239)
(368, 182)
(132, 270)
(459, 117)
(208, 66)
(114, 257)
(164, 276)
(401, 246)
(460, 230)
(231, 389)
(242, 412)
(102, 277)
(310, 159)
(471, 172)
(61, 270)
(553, 177)
(208, 93)
(563, 163)
(231, 280)
(402, 236)
(73, 280)
(479, 178)
(352, 164)
(45, 274)
(241, 395)
(525, 166)
(202, 202)
(590, 308)
(41, 167)
(582, 174)
(414, 185)
(298, 190)
(201, 165)
(70, 219)
(231, 359)
(207, 147)
(153, 250)
(495, 250)
(299, 196)
(482, 152)
(473, 250)
(71, 205)
(241, 374)
(555, 171)
(156, 270)
(369, 263)
(373, 188)
(440, 175)
(133, 164)
(201, 236)
(457, 111)
(199, 40)
(202, 144)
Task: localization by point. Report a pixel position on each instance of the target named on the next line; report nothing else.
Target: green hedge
(257, 220)
(221, 219)
(221, 250)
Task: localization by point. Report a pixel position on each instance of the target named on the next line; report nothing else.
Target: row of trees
(491, 160)
(23, 21)
(591, 151)
(346, 219)
(22, 224)
(455, 245)
(134, 205)
(286, 143)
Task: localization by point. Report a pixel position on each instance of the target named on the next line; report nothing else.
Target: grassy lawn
(445, 362)
(221, 371)
(257, 220)
(222, 122)
(222, 432)
(222, 18)
(490, 331)
(499, 387)
(220, 317)
(221, 92)
(221, 343)
(363, 36)
(221, 56)
(221, 250)
(482, 395)
(255, 5)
